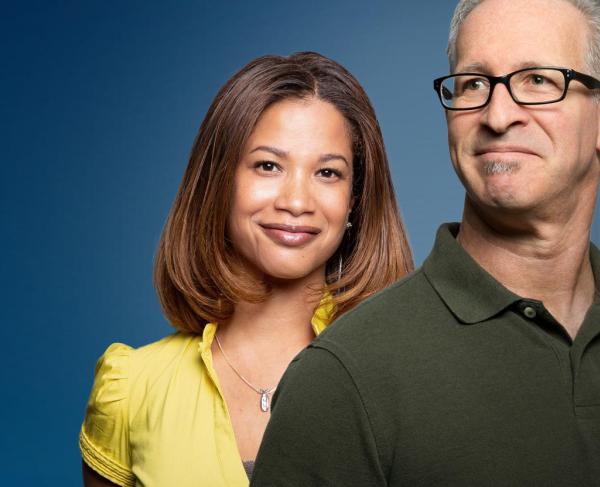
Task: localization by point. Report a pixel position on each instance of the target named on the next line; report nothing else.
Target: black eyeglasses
(529, 86)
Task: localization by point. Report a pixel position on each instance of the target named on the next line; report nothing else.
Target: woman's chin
(288, 274)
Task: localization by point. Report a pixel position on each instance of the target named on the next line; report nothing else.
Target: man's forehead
(513, 34)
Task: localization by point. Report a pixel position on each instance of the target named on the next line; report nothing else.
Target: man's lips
(505, 149)
(290, 235)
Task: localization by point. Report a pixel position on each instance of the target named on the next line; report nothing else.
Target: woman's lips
(290, 235)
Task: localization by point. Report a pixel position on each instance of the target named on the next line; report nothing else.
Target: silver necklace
(265, 399)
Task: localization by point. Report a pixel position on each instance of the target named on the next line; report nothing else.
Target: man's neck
(547, 261)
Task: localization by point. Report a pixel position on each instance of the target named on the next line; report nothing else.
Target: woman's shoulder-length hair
(197, 274)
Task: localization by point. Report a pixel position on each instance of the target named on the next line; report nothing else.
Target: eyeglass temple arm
(588, 81)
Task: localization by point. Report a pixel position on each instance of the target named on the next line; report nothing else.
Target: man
(483, 367)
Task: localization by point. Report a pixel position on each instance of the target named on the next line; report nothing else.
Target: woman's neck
(282, 313)
(273, 331)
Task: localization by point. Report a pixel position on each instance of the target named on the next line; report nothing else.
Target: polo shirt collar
(470, 292)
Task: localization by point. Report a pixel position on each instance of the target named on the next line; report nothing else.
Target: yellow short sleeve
(104, 437)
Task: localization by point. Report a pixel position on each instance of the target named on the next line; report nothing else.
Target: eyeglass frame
(569, 74)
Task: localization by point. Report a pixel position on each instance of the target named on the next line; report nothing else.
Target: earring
(340, 267)
(348, 225)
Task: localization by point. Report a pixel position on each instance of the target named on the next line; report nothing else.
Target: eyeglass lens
(528, 86)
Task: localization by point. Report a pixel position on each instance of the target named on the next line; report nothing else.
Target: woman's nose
(295, 194)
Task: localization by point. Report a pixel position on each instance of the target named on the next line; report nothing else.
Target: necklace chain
(265, 402)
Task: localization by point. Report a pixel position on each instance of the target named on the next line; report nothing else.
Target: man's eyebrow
(533, 64)
(331, 157)
(483, 68)
(273, 150)
(473, 67)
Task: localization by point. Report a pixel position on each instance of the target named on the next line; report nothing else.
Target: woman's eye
(266, 166)
(329, 173)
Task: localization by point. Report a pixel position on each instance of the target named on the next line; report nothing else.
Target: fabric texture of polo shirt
(444, 379)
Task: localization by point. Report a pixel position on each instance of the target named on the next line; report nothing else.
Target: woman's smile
(290, 235)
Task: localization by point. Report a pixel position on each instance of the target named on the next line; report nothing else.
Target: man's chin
(503, 198)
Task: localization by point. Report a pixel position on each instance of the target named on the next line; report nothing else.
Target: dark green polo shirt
(444, 379)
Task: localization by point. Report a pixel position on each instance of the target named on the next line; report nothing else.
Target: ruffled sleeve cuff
(104, 437)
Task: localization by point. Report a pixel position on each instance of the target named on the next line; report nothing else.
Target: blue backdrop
(100, 104)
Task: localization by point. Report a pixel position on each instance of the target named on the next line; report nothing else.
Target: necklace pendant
(265, 405)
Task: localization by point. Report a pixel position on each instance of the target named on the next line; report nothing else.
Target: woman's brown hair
(198, 275)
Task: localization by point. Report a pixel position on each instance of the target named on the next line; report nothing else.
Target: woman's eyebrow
(273, 150)
(331, 157)
(283, 154)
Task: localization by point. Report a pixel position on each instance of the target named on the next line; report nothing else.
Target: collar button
(529, 312)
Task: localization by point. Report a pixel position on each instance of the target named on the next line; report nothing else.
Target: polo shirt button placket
(529, 312)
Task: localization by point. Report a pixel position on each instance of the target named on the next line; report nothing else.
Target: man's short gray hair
(589, 8)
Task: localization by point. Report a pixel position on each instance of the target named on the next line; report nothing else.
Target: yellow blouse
(156, 416)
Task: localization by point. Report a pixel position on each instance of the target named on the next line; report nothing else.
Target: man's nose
(502, 111)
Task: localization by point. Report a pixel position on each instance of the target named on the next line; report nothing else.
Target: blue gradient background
(100, 104)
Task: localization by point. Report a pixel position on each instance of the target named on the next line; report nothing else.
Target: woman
(285, 219)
